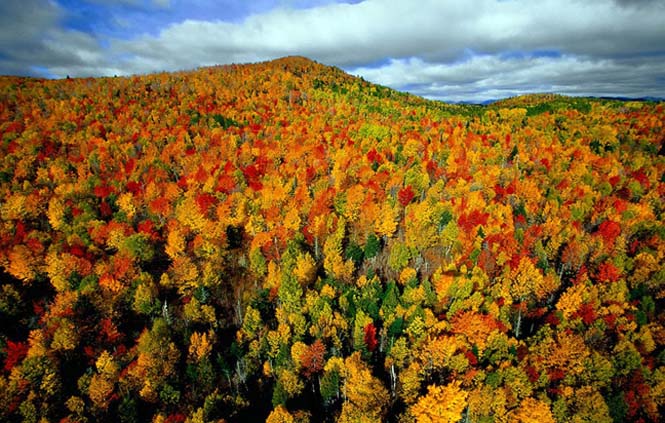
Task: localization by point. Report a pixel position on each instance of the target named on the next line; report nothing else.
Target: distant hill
(532, 99)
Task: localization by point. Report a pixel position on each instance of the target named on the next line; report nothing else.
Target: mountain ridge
(296, 61)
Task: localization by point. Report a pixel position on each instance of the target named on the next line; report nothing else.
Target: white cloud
(491, 77)
(429, 40)
(30, 37)
(434, 44)
(352, 34)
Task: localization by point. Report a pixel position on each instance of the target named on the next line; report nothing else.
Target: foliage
(182, 246)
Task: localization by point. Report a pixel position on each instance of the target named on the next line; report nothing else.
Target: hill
(284, 241)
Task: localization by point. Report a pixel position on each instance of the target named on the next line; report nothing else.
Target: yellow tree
(533, 411)
(366, 397)
(522, 285)
(442, 404)
(333, 261)
(280, 415)
(103, 382)
(386, 223)
(305, 268)
(156, 360)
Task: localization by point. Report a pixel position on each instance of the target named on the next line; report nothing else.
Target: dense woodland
(284, 242)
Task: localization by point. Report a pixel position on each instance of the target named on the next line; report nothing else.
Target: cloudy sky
(468, 50)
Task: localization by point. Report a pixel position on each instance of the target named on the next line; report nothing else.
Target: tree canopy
(282, 241)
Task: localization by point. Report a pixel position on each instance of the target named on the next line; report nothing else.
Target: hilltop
(282, 241)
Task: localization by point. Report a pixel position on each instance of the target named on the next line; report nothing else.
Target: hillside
(284, 241)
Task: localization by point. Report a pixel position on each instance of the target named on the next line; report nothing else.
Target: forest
(284, 242)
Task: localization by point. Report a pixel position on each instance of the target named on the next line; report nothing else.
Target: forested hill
(284, 241)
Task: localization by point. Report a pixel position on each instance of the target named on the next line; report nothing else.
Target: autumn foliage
(284, 242)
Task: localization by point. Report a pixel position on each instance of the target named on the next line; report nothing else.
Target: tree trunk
(518, 324)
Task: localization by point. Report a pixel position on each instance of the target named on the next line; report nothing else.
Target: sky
(469, 50)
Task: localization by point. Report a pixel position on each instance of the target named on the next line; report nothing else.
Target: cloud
(635, 3)
(22, 22)
(352, 34)
(429, 45)
(491, 77)
(31, 39)
(445, 49)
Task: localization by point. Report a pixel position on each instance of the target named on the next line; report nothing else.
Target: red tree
(370, 337)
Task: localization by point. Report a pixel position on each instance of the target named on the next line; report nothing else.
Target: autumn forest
(284, 242)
